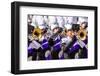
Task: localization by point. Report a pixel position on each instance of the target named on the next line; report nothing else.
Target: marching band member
(44, 43)
(30, 30)
(68, 39)
(60, 21)
(36, 35)
(77, 46)
(30, 38)
(43, 40)
(63, 48)
(73, 45)
(84, 40)
(33, 48)
(83, 27)
(55, 41)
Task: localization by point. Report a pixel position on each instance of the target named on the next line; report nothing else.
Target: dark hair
(30, 29)
(75, 27)
(86, 24)
(60, 30)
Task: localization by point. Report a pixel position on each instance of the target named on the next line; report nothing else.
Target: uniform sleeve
(74, 48)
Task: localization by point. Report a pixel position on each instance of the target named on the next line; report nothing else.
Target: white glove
(34, 45)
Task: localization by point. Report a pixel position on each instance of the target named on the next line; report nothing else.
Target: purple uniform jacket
(57, 44)
(45, 47)
(76, 46)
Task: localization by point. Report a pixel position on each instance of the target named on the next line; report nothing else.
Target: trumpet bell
(37, 33)
(82, 34)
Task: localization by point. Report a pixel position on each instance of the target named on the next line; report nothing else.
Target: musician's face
(55, 30)
(70, 33)
(43, 31)
(82, 26)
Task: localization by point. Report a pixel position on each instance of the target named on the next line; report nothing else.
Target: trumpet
(37, 33)
(82, 34)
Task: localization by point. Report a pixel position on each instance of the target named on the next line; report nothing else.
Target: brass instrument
(63, 33)
(82, 34)
(37, 33)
